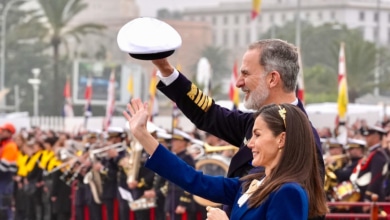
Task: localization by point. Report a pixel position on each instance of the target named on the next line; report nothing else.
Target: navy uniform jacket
(176, 195)
(290, 201)
(110, 180)
(374, 166)
(235, 127)
(344, 173)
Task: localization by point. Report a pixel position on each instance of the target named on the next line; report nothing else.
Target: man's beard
(257, 97)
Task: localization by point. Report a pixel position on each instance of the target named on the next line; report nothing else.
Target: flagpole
(342, 99)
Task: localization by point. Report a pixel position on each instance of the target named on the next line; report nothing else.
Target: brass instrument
(131, 164)
(102, 152)
(93, 179)
(202, 148)
(331, 181)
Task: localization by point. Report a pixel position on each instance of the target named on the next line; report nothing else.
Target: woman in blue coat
(282, 142)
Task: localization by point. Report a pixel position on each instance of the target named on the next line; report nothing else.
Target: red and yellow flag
(342, 99)
(153, 103)
(233, 90)
(256, 4)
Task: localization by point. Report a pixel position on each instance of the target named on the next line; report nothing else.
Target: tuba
(93, 177)
(131, 165)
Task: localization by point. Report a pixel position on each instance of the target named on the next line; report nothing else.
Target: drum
(346, 192)
(214, 165)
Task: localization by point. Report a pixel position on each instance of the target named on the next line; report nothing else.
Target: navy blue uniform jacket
(235, 127)
(290, 201)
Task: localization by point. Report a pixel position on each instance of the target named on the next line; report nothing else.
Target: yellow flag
(255, 8)
(342, 99)
(130, 85)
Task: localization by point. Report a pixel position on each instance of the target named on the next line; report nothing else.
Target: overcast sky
(150, 7)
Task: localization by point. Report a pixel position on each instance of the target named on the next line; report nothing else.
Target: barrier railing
(373, 214)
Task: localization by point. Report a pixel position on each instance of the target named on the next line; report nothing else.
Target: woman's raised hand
(137, 116)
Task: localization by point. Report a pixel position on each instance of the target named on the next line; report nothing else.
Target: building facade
(233, 27)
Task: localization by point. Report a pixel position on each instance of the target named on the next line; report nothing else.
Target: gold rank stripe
(185, 199)
(201, 100)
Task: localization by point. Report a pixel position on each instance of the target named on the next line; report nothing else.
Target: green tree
(24, 51)
(320, 48)
(58, 14)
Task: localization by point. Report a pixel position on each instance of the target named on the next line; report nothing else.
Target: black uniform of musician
(143, 182)
(369, 174)
(179, 201)
(110, 180)
(355, 149)
(60, 196)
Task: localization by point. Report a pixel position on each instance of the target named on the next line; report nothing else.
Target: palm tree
(58, 14)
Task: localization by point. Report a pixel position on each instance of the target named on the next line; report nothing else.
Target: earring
(280, 149)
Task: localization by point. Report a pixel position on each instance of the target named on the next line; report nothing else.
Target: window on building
(214, 38)
(361, 16)
(376, 17)
(332, 15)
(283, 17)
(201, 18)
(237, 19)
(271, 18)
(225, 20)
(214, 20)
(236, 38)
(248, 18)
(319, 15)
(225, 37)
(307, 15)
(248, 36)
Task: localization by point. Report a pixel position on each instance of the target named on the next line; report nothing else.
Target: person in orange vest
(8, 157)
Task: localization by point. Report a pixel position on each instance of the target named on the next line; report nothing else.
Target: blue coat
(290, 201)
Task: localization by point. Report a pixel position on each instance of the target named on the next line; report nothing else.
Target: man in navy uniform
(370, 173)
(269, 72)
(179, 202)
(110, 180)
(355, 149)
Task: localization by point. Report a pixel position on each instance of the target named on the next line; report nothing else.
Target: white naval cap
(163, 135)
(181, 135)
(354, 143)
(148, 39)
(370, 129)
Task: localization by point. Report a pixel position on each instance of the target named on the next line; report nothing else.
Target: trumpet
(201, 148)
(102, 152)
(336, 157)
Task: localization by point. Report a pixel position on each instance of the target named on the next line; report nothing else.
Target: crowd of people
(57, 175)
(144, 172)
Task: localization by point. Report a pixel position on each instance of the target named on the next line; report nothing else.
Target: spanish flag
(153, 103)
(342, 100)
(233, 90)
(255, 8)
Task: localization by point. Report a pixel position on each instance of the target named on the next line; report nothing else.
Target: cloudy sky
(150, 7)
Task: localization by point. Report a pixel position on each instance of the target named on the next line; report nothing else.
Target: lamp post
(3, 33)
(35, 84)
(377, 43)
